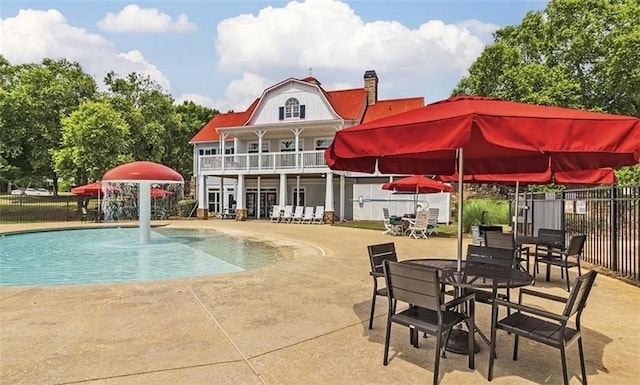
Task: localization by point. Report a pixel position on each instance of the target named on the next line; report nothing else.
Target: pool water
(111, 255)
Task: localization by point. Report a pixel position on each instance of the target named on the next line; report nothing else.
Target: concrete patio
(300, 321)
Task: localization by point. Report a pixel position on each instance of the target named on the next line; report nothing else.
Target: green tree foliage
(575, 53)
(33, 100)
(189, 118)
(95, 139)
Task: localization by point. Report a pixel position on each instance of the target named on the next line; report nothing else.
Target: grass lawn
(449, 231)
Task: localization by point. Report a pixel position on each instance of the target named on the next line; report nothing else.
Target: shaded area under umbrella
(479, 135)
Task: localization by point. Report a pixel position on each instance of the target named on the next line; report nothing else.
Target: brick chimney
(371, 86)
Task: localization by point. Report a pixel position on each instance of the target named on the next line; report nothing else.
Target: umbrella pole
(515, 220)
(460, 206)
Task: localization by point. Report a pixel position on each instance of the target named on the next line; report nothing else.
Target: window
(323, 143)
(289, 145)
(253, 147)
(208, 151)
(292, 110)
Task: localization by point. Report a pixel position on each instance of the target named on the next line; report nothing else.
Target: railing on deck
(269, 161)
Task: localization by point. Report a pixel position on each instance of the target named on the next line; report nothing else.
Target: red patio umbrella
(417, 184)
(577, 177)
(478, 135)
(157, 192)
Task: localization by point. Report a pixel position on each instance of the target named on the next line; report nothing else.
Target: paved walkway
(300, 321)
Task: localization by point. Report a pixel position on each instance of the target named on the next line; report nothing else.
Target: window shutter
(302, 111)
(281, 113)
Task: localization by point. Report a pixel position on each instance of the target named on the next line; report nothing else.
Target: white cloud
(34, 35)
(197, 99)
(328, 36)
(135, 19)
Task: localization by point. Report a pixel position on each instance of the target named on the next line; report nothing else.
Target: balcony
(272, 162)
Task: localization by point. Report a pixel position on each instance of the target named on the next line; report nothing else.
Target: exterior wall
(316, 107)
(375, 198)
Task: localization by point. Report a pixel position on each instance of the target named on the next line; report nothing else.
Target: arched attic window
(292, 110)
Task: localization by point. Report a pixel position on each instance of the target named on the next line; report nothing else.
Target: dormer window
(292, 110)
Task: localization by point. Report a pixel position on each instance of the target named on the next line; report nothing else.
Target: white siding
(398, 204)
(316, 106)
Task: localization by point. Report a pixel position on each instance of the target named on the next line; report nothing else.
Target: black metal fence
(29, 208)
(68, 207)
(610, 216)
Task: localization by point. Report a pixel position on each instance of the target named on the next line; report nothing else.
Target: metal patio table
(473, 275)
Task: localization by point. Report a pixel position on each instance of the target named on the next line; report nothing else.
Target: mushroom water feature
(144, 174)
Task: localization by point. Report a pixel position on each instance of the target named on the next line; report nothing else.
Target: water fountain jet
(144, 174)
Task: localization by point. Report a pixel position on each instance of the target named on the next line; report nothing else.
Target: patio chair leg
(385, 358)
(563, 356)
(515, 348)
(373, 307)
(568, 288)
(582, 367)
(436, 365)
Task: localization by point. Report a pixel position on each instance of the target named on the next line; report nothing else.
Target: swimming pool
(112, 255)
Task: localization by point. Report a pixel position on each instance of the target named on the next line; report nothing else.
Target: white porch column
(241, 210)
(260, 135)
(342, 196)
(297, 202)
(223, 139)
(282, 193)
(296, 133)
(259, 201)
(328, 195)
(202, 196)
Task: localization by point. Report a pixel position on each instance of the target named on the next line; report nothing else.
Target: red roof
(347, 103)
(208, 133)
(384, 108)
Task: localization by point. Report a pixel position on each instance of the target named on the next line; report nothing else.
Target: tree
(575, 53)
(33, 100)
(148, 111)
(189, 118)
(95, 139)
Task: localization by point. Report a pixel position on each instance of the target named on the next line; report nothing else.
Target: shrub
(185, 207)
(496, 212)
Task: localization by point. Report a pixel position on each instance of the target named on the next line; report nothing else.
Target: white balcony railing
(265, 162)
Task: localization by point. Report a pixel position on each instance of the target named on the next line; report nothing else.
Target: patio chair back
(420, 226)
(491, 255)
(275, 213)
(318, 216)
(501, 240)
(420, 287)
(578, 296)
(287, 215)
(555, 234)
(297, 214)
(432, 220)
(377, 255)
(308, 215)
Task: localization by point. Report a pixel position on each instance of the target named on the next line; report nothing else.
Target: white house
(273, 153)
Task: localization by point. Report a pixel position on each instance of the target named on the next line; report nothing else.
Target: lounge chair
(432, 221)
(287, 215)
(418, 228)
(318, 216)
(308, 215)
(275, 213)
(297, 214)
(390, 228)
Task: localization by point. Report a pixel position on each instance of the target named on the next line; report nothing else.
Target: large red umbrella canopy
(495, 136)
(417, 184)
(576, 177)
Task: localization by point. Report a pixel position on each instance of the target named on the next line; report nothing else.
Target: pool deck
(300, 321)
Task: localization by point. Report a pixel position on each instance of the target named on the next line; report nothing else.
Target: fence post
(614, 228)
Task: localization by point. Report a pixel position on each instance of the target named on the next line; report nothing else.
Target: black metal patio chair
(543, 326)
(419, 286)
(377, 255)
(561, 259)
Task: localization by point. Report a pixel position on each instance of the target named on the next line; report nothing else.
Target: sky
(224, 54)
